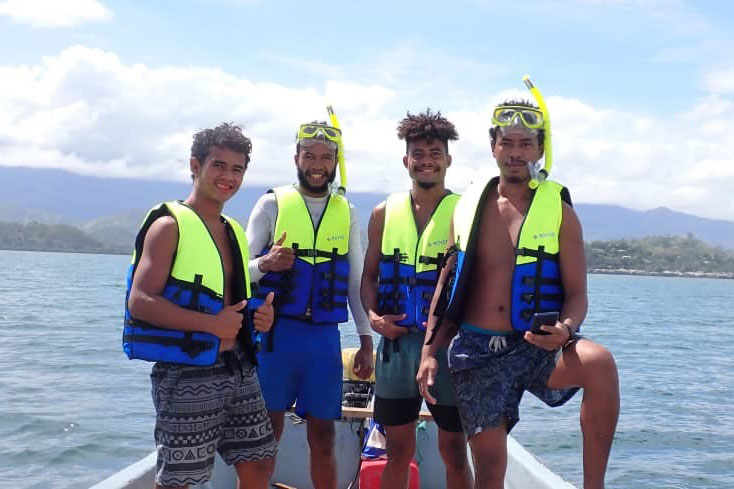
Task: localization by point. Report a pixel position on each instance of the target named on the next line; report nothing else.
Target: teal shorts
(397, 398)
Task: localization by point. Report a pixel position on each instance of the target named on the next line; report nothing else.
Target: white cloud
(88, 111)
(719, 81)
(55, 13)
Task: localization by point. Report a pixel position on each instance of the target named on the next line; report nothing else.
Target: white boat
(524, 471)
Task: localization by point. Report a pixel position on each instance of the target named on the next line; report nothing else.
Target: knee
(400, 452)
(453, 453)
(490, 472)
(264, 468)
(321, 441)
(599, 366)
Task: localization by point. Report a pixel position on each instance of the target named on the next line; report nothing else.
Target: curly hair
(426, 126)
(226, 135)
(516, 103)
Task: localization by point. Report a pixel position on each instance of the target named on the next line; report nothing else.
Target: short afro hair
(428, 126)
(226, 135)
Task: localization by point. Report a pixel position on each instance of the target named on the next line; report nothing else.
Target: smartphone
(541, 318)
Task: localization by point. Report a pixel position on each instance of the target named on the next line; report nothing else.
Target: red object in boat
(371, 471)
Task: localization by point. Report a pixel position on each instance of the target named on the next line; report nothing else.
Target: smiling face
(220, 175)
(316, 166)
(427, 162)
(513, 150)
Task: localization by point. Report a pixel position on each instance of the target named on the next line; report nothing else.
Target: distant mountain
(606, 222)
(110, 210)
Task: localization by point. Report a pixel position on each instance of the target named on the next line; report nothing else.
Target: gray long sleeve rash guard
(260, 230)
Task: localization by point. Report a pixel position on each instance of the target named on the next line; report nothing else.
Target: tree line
(660, 255)
(654, 254)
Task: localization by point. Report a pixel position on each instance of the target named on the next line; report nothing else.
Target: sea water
(74, 409)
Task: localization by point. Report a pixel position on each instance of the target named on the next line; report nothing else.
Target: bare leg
(277, 419)
(489, 450)
(452, 447)
(400, 451)
(255, 475)
(321, 435)
(592, 367)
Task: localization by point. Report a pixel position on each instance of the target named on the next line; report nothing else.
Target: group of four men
(484, 266)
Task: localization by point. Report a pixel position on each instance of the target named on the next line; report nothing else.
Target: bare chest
(219, 235)
(500, 227)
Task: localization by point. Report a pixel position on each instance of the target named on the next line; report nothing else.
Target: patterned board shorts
(204, 410)
(491, 373)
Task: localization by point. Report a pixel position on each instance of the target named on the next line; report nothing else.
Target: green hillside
(660, 255)
(47, 237)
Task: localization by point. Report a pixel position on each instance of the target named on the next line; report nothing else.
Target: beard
(516, 180)
(303, 181)
(426, 185)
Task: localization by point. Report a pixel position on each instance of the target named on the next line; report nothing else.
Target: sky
(640, 92)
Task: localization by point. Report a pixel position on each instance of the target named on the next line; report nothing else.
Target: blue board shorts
(305, 367)
(491, 372)
(397, 398)
(204, 410)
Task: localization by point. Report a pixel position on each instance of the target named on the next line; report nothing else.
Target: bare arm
(429, 365)
(443, 337)
(384, 325)
(146, 302)
(573, 270)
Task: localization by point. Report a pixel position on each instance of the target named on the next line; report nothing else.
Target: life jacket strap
(188, 345)
(431, 260)
(540, 253)
(395, 257)
(531, 280)
(529, 297)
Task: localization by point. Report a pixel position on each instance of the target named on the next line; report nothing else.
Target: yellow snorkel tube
(547, 140)
(342, 189)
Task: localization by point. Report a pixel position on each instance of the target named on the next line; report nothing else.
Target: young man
(187, 290)
(307, 243)
(520, 258)
(407, 239)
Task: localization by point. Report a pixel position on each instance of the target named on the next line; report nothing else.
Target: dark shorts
(491, 374)
(204, 410)
(397, 399)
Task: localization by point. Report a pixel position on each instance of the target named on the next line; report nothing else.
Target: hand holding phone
(543, 318)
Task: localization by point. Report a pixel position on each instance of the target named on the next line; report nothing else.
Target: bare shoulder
(377, 217)
(570, 220)
(162, 235)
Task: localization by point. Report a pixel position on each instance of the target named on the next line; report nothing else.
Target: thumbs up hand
(279, 257)
(264, 315)
(229, 320)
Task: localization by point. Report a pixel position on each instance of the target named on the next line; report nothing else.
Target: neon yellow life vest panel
(536, 281)
(294, 219)
(409, 260)
(316, 288)
(196, 282)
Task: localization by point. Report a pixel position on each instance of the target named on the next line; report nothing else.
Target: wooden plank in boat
(357, 412)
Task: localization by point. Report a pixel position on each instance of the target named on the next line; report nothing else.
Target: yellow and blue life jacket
(316, 288)
(196, 282)
(536, 278)
(409, 260)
